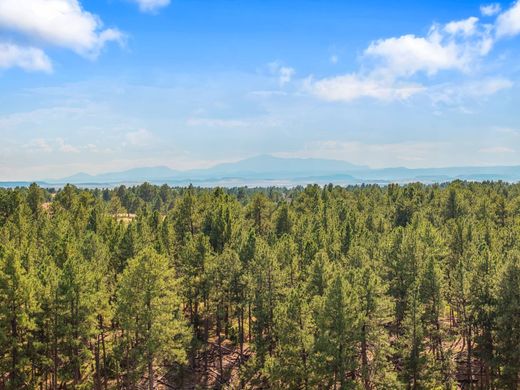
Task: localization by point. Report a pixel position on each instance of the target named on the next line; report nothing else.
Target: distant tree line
(361, 287)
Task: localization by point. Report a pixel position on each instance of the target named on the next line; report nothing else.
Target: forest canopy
(362, 287)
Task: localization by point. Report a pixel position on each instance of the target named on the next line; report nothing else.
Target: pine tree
(150, 316)
(335, 352)
(17, 311)
(35, 198)
(283, 222)
(289, 366)
(374, 314)
(508, 324)
(77, 315)
(413, 340)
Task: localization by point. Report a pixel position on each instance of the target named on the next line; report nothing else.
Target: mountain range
(268, 170)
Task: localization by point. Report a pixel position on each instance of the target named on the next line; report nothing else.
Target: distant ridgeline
(266, 171)
(393, 287)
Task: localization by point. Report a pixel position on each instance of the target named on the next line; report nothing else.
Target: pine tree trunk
(364, 358)
(14, 350)
(415, 350)
(249, 322)
(341, 367)
(150, 372)
(469, 358)
(206, 334)
(105, 373)
(304, 358)
(226, 322)
(97, 364)
(241, 332)
(219, 341)
(55, 353)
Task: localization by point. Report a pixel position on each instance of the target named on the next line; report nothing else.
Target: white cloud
(27, 58)
(352, 86)
(439, 50)
(390, 66)
(151, 5)
(61, 23)
(490, 9)
(64, 147)
(467, 27)
(508, 22)
(284, 73)
(141, 137)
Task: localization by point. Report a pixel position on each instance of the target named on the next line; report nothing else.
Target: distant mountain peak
(266, 169)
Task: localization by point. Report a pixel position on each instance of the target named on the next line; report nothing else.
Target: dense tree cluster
(369, 287)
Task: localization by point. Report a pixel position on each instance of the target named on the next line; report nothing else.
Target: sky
(105, 85)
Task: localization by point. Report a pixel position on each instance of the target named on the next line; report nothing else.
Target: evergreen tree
(508, 324)
(17, 311)
(335, 350)
(150, 315)
(289, 366)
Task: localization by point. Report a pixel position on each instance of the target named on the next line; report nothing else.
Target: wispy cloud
(284, 73)
(490, 9)
(497, 150)
(373, 154)
(41, 116)
(507, 131)
(65, 147)
(215, 122)
(353, 86)
(141, 137)
(151, 5)
(27, 58)
(261, 122)
(38, 145)
(455, 93)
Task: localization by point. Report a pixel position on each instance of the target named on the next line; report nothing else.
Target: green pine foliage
(364, 287)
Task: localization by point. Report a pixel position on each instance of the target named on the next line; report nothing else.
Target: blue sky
(105, 85)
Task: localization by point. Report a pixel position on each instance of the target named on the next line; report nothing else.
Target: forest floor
(205, 372)
(125, 217)
(211, 377)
